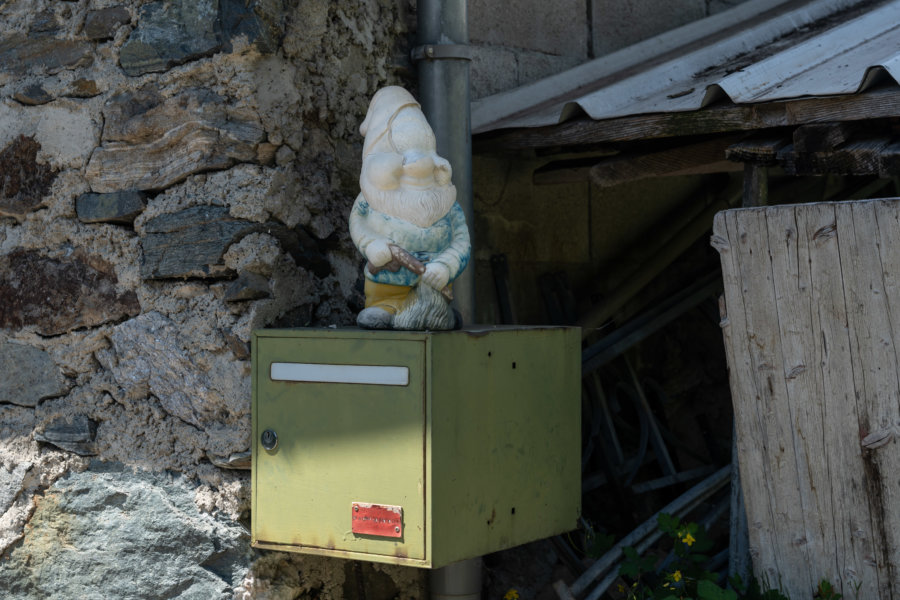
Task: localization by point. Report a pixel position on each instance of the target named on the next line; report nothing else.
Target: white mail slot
(319, 373)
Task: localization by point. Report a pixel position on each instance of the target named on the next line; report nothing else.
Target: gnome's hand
(436, 275)
(378, 252)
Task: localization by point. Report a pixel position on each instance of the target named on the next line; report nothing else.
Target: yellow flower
(676, 576)
(621, 589)
(688, 539)
(512, 594)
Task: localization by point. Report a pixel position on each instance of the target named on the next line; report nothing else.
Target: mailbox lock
(268, 439)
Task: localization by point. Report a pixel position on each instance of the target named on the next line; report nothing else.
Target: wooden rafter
(824, 148)
(693, 159)
(876, 104)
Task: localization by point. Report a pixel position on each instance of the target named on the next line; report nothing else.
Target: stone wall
(173, 175)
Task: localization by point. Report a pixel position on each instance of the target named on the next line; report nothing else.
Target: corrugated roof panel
(838, 61)
(790, 49)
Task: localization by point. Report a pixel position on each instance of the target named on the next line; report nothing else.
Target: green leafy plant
(596, 543)
(826, 591)
(684, 576)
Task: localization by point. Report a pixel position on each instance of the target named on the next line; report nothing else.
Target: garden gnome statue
(406, 221)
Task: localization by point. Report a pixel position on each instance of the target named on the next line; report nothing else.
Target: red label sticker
(377, 519)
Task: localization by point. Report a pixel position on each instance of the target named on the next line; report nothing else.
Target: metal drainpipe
(459, 581)
(443, 56)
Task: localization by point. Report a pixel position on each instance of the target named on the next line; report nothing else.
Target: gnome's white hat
(385, 106)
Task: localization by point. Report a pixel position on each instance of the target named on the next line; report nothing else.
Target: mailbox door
(350, 444)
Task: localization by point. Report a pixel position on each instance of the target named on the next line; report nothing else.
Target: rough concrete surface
(620, 23)
(559, 28)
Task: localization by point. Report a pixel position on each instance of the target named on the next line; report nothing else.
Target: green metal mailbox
(414, 448)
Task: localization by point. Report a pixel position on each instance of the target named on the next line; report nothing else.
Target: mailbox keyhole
(268, 439)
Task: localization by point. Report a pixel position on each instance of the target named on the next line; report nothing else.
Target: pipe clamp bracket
(441, 52)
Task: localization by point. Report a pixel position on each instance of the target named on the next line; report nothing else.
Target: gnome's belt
(402, 258)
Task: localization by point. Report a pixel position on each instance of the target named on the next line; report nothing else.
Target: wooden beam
(889, 162)
(757, 153)
(876, 104)
(693, 159)
(574, 170)
(856, 157)
(756, 185)
(817, 137)
(760, 150)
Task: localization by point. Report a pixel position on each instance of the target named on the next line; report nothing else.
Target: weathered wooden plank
(873, 376)
(738, 536)
(771, 405)
(841, 422)
(875, 104)
(739, 559)
(792, 281)
(813, 295)
(881, 359)
(748, 426)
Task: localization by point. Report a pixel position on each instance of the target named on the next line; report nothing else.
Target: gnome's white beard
(419, 207)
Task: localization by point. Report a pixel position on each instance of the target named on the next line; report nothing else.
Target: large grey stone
(59, 295)
(259, 21)
(170, 34)
(11, 483)
(150, 354)
(29, 375)
(75, 435)
(44, 22)
(118, 207)
(110, 532)
(23, 181)
(151, 143)
(144, 115)
(83, 88)
(191, 243)
(175, 32)
(22, 55)
(102, 24)
(32, 95)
